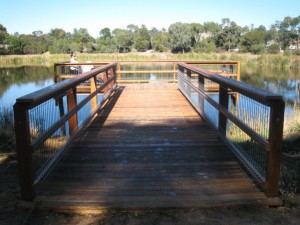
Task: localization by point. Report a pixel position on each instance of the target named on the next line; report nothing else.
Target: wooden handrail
(272, 144)
(26, 144)
(240, 87)
(173, 71)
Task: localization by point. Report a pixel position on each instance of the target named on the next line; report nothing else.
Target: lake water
(19, 81)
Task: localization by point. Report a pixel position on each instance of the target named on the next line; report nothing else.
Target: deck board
(148, 148)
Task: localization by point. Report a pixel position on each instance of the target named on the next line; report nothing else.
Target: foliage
(273, 49)
(253, 41)
(6, 129)
(142, 39)
(180, 37)
(229, 35)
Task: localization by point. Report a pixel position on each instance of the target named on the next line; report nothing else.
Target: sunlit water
(17, 82)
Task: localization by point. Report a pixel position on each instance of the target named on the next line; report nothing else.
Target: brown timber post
(202, 89)
(71, 104)
(55, 73)
(93, 89)
(189, 77)
(274, 148)
(223, 101)
(113, 74)
(105, 78)
(174, 74)
(24, 151)
(238, 71)
(119, 71)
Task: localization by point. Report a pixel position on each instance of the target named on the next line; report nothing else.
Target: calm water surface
(16, 82)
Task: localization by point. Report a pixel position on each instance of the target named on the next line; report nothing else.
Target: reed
(270, 61)
(7, 135)
(291, 137)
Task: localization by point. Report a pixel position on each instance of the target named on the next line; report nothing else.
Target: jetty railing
(145, 71)
(47, 121)
(252, 128)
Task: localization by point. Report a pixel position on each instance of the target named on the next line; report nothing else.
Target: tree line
(179, 37)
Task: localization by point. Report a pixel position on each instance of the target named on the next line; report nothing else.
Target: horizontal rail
(122, 69)
(252, 128)
(243, 88)
(48, 120)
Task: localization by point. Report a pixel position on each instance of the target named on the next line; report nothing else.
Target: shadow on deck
(148, 148)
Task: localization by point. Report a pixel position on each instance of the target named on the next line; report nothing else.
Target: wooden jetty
(145, 147)
(148, 148)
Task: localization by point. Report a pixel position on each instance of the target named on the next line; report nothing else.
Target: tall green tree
(289, 29)
(105, 33)
(229, 36)
(142, 40)
(254, 41)
(180, 37)
(57, 33)
(159, 39)
(122, 39)
(16, 45)
(3, 34)
(105, 43)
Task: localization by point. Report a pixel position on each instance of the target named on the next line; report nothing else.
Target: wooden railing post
(274, 148)
(55, 73)
(113, 74)
(105, 78)
(71, 104)
(174, 74)
(202, 89)
(24, 151)
(223, 101)
(119, 70)
(189, 77)
(93, 89)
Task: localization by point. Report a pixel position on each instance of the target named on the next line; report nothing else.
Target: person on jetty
(74, 69)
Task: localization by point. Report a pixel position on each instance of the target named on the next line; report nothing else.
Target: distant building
(4, 46)
(294, 45)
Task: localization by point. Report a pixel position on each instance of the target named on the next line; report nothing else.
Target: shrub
(273, 49)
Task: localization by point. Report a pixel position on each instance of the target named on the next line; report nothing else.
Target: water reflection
(285, 82)
(18, 81)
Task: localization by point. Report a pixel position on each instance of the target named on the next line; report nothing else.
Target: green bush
(273, 49)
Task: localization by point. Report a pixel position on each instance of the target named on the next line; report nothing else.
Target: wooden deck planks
(148, 149)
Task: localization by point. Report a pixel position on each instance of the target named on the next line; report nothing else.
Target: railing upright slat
(223, 101)
(275, 146)
(72, 102)
(24, 151)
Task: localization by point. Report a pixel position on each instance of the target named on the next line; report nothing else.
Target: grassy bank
(274, 61)
(7, 135)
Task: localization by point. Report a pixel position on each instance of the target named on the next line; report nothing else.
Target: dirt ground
(12, 215)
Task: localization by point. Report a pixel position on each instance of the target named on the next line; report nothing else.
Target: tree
(16, 45)
(229, 35)
(3, 34)
(105, 33)
(254, 41)
(290, 29)
(159, 39)
(196, 31)
(105, 43)
(122, 39)
(205, 45)
(57, 33)
(180, 37)
(142, 40)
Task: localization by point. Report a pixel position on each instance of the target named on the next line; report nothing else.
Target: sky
(26, 16)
